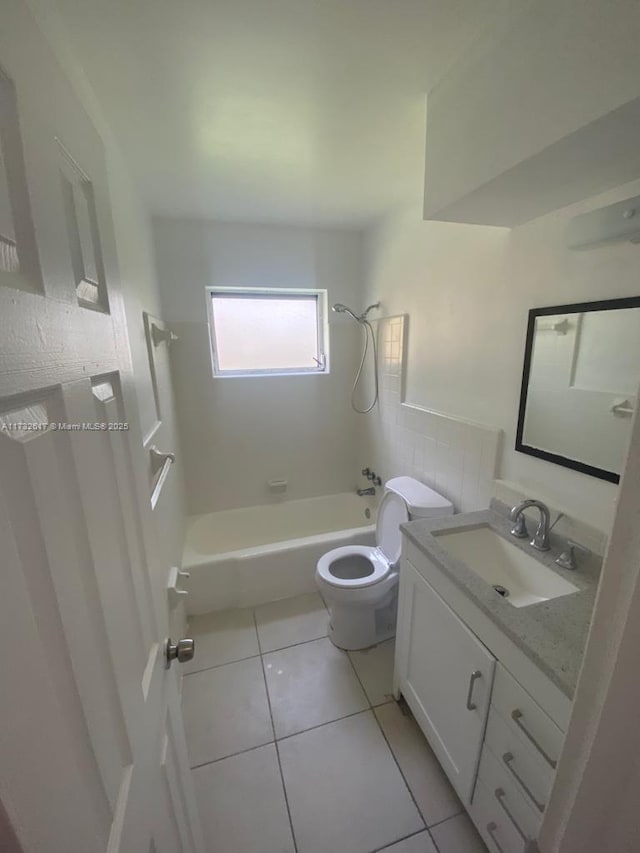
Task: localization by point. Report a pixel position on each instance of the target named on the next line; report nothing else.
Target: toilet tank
(422, 501)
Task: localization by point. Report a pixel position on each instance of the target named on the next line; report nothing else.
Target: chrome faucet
(370, 491)
(540, 539)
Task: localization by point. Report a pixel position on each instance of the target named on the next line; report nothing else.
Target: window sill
(267, 375)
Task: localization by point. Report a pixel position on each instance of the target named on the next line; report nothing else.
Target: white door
(445, 674)
(92, 751)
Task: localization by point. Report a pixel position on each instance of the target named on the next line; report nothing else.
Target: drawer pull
(508, 759)
(500, 797)
(516, 716)
(475, 675)
(491, 829)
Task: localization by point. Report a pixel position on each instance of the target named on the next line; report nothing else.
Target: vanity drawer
(526, 717)
(507, 797)
(494, 826)
(527, 771)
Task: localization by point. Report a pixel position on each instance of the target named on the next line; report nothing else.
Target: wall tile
(454, 456)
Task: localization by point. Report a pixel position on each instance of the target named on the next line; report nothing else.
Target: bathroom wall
(239, 433)
(467, 290)
(455, 457)
(544, 69)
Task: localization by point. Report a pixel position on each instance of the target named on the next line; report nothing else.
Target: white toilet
(359, 583)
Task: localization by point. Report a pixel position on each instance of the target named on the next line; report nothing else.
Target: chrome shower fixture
(339, 308)
(369, 335)
(371, 307)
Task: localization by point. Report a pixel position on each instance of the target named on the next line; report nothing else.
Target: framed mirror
(580, 385)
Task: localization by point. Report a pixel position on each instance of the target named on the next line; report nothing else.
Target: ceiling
(299, 111)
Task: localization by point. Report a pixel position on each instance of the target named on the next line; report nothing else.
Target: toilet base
(353, 627)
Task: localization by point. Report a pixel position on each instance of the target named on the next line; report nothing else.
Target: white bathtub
(245, 557)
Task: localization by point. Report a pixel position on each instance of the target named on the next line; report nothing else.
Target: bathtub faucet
(370, 491)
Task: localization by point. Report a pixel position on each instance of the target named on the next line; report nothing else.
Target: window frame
(322, 329)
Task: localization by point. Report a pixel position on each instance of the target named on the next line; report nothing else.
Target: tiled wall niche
(453, 456)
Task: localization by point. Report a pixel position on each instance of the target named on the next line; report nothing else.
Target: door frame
(594, 802)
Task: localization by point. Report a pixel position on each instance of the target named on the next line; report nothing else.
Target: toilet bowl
(359, 583)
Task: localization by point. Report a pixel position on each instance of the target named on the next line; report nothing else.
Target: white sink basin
(499, 563)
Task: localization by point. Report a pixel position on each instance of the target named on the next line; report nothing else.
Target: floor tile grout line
(232, 755)
(251, 657)
(433, 841)
(361, 682)
(398, 841)
(439, 823)
(285, 737)
(372, 708)
(321, 725)
(293, 645)
(275, 744)
(402, 776)
(404, 779)
(218, 665)
(432, 836)
(445, 819)
(427, 826)
(358, 679)
(286, 799)
(266, 689)
(278, 740)
(273, 728)
(264, 677)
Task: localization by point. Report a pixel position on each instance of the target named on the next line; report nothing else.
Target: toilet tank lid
(422, 501)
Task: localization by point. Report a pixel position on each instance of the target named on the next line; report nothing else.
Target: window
(268, 332)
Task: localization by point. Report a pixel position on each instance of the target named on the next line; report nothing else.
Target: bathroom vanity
(491, 681)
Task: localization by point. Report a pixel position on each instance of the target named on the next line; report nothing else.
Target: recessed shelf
(19, 262)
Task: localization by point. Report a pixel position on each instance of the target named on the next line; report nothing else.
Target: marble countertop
(551, 633)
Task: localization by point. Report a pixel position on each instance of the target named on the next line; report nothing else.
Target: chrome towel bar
(160, 464)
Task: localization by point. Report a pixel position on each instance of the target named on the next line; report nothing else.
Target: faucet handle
(366, 472)
(519, 528)
(567, 559)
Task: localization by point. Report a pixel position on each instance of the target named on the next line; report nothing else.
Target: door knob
(182, 651)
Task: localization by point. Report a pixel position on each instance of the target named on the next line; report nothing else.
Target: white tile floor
(298, 747)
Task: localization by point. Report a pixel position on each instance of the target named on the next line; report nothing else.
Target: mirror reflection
(580, 385)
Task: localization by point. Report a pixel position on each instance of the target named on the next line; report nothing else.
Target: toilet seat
(392, 512)
(379, 563)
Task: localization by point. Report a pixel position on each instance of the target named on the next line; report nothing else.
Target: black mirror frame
(534, 313)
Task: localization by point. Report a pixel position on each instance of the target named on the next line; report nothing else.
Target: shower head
(339, 308)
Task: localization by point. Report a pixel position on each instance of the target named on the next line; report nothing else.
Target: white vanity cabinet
(494, 720)
(445, 674)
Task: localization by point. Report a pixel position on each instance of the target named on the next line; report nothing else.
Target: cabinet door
(445, 674)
